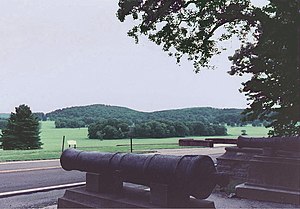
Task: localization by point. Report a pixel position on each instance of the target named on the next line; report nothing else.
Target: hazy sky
(60, 53)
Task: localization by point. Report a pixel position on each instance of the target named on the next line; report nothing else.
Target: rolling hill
(96, 112)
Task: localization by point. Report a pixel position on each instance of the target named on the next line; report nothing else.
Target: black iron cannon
(192, 175)
(277, 143)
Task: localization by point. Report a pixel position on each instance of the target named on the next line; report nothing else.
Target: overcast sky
(62, 53)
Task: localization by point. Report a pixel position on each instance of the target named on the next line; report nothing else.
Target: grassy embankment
(52, 139)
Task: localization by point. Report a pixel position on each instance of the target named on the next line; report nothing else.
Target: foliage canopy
(269, 49)
(117, 129)
(75, 117)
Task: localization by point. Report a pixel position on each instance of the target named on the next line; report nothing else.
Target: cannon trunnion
(175, 177)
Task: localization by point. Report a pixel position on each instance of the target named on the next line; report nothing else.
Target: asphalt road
(16, 176)
(34, 200)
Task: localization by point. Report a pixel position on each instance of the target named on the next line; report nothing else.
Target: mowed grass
(250, 130)
(52, 139)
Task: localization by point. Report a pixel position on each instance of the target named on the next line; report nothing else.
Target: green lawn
(250, 130)
(52, 139)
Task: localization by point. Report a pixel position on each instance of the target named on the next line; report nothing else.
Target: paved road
(17, 176)
(34, 200)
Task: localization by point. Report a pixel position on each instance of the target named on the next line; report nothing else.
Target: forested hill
(4, 115)
(207, 114)
(92, 113)
(96, 112)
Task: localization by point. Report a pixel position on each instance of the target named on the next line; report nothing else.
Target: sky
(62, 53)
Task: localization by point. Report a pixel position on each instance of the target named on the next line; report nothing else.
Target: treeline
(118, 129)
(83, 116)
(40, 116)
(75, 117)
(70, 123)
(4, 118)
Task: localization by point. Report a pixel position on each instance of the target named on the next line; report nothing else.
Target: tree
(274, 89)
(181, 129)
(110, 132)
(22, 130)
(244, 132)
(199, 129)
(158, 129)
(269, 47)
(220, 130)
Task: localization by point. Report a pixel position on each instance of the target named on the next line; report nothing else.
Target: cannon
(278, 143)
(189, 175)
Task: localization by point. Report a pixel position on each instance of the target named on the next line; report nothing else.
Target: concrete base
(273, 178)
(235, 162)
(129, 198)
(267, 194)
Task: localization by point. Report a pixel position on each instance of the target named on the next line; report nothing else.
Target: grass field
(52, 139)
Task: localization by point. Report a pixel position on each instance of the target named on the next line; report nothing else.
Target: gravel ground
(222, 200)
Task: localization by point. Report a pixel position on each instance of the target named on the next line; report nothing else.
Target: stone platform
(130, 197)
(235, 162)
(273, 178)
(268, 168)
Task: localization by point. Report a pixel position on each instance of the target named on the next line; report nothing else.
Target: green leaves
(272, 62)
(187, 27)
(22, 130)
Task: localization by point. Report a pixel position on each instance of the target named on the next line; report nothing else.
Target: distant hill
(3, 120)
(96, 111)
(91, 113)
(208, 114)
(4, 115)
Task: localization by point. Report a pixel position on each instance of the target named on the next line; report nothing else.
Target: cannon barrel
(193, 175)
(280, 143)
